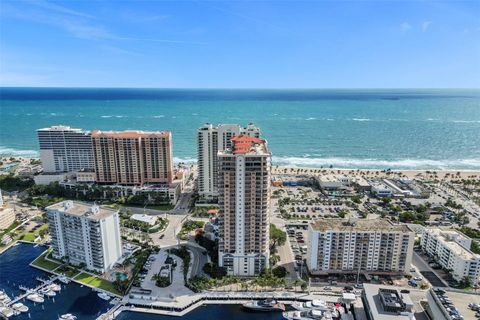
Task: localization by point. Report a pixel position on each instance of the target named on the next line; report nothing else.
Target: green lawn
(30, 236)
(42, 263)
(97, 282)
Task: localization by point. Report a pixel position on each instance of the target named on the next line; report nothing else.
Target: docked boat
(6, 312)
(46, 291)
(4, 298)
(35, 297)
(67, 316)
(310, 305)
(20, 307)
(55, 287)
(64, 279)
(265, 305)
(103, 295)
(308, 315)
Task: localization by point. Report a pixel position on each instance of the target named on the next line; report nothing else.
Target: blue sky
(240, 44)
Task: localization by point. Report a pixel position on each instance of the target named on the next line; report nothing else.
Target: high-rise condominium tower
(211, 140)
(133, 157)
(85, 234)
(243, 195)
(65, 149)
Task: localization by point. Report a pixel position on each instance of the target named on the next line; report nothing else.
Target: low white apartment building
(365, 245)
(451, 249)
(85, 234)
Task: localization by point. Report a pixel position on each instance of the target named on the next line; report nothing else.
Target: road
(170, 233)
(200, 258)
(422, 266)
(285, 251)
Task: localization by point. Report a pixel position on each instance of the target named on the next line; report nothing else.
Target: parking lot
(152, 267)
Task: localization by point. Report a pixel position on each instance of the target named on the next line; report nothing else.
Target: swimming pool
(120, 275)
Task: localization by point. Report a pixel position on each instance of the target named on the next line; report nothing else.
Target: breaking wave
(352, 163)
(4, 151)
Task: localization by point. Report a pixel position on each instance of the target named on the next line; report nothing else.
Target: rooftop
(337, 224)
(77, 208)
(62, 128)
(448, 238)
(247, 145)
(130, 134)
(386, 302)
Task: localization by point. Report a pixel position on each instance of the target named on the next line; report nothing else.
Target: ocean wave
(311, 118)
(466, 121)
(5, 151)
(159, 116)
(361, 119)
(186, 160)
(112, 116)
(414, 164)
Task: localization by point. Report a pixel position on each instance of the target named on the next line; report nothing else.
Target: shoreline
(276, 168)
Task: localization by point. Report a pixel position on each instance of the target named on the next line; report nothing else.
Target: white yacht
(4, 297)
(35, 297)
(55, 287)
(46, 291)
(308, 315)
(67, 316)
(20, 307)
(103, 295)
(6, 312)
(309, 305)
(265, 305)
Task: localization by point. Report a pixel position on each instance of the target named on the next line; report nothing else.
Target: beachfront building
(65, 149)
(7, 215)
(210, 141)
(243, 197)
(359, 245)
(133, 157)
(85, 234)
(451, 250)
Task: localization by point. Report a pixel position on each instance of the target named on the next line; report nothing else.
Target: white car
(418, 278)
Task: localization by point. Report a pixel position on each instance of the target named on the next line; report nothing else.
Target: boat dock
(43, 283)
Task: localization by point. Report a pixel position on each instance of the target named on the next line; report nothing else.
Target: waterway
(82, 301)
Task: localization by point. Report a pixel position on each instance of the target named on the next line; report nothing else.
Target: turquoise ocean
(397, 129)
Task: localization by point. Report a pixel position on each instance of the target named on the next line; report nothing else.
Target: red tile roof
(242, 144)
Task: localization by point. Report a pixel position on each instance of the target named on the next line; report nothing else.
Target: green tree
(277, 236)
(279, 272)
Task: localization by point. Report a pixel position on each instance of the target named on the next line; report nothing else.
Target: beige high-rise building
(133, 157)
(243, 195)
(7, 215)
(210, 141)
(365, 245)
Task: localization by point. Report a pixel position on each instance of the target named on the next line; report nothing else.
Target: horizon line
(243, 88)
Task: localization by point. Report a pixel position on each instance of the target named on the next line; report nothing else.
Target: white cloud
(425, 25)
(405, 26)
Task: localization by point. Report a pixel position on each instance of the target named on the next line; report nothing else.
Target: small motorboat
(55, 287)
(67, 316)
(308, 315)
(264, 305)
(309, 305)
(35, 297)
(20, 307)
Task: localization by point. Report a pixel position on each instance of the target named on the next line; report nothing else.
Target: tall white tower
(210, 141)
